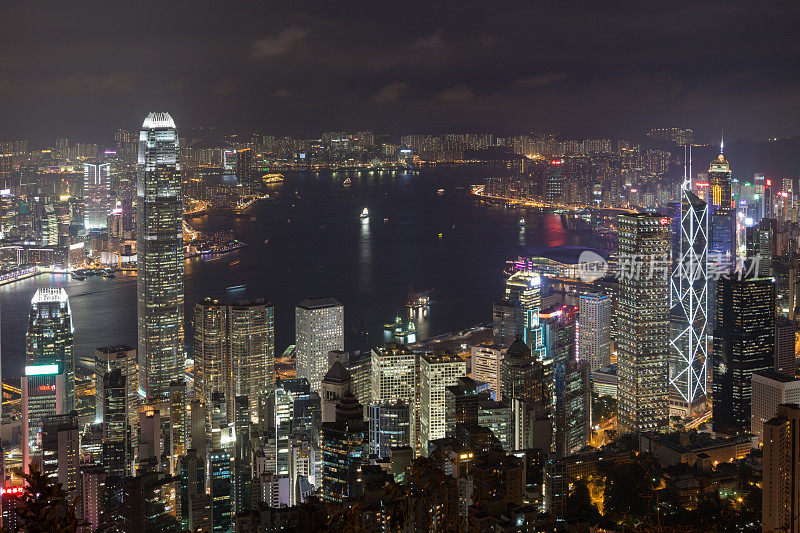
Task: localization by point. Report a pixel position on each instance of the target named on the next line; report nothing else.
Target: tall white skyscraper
(319, 329)
(436, 373)
(159, 253)
(594, 331)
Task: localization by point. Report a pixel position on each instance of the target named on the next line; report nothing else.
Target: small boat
(522, 222)
(386, 220)
(266, 241)
(234, 263)
(365, 213)
(440, 192)
(347, 181)
(235, 288)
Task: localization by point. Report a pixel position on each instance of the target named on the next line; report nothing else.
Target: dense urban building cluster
(652, 384)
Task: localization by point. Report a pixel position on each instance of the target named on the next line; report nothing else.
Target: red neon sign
(47, 387)
(664, 221)
(556, 162)
(769, 183)
(11, 491)
(701, 184)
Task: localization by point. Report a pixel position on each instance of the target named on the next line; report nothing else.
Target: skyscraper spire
(722, 141)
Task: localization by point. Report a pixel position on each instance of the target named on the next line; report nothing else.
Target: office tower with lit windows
(242, 480)
(436, 373)
(97, 201)
(93, 494)
(523, 291)
(234, 351)
(251, 352)
(115, 425)
(122, 357)
(785, 339)
(192, 486)
(689, 306)
(643, 322)
(342, 446)
(743, 344)
(393, 374)
(319, 328)
(178, 425)
(60, 451)
(50, 338)
(594, 333)
(210, 329)
(781, 471)
(503, 326)
(487, 365)
(43, 392)
(159, 253)
(389, 426)
(554, 182)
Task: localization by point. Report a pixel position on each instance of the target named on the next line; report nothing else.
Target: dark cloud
(300, 68)
(280, 43)
(390, 92)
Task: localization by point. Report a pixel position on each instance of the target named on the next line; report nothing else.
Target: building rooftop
(337, 374)
(158, 120)
(776, 376)
(319, 303)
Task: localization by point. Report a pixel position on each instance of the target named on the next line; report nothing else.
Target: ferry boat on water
(365, 213)
(272, 178)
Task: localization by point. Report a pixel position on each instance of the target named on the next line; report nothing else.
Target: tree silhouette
(44, 507)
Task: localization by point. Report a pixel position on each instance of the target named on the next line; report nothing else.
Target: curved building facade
(159, 230)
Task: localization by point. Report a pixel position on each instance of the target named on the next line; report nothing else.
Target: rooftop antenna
(722, 140)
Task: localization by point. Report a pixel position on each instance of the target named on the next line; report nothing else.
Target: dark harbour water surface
(318, 246)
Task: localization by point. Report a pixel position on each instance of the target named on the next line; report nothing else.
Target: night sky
(302, 67)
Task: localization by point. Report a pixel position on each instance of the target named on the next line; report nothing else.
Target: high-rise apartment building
(436, 373)
(159, 253)
(642, 319)
(744, 338)
(50, 338)
(594, 333)
(319, 329)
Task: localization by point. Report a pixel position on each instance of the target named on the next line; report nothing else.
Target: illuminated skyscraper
(643, 322)
(159, 252)
(744, 339)
(689, 304)
(234, 351)
(594, 332)
(49, 340)
(523, 291)
(319, 328)
(96, 195)
(437, 372)
(42, 395)
(719, 179)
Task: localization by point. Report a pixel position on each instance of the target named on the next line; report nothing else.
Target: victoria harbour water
(308, 241)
